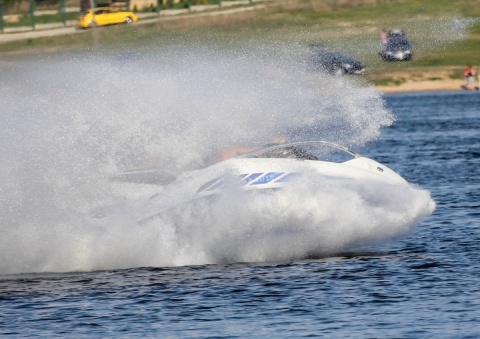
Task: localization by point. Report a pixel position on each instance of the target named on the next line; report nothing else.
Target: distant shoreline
(408, 79)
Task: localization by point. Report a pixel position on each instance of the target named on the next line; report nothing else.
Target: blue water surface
(423, 286)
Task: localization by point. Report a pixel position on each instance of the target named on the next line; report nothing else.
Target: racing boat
(268, 169)
(281, 202)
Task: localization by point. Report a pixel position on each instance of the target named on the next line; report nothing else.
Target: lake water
(422, 285)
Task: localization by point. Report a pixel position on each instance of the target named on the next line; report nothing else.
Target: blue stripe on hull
(248, 179)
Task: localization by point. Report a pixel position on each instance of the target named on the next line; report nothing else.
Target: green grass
(389, 10)
(25, 20)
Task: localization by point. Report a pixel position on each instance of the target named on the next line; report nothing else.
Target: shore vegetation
(445, 34)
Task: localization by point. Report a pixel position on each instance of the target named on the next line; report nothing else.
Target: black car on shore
(333, 62)
(397, 48)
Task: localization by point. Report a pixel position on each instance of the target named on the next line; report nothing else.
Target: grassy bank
(445, 34)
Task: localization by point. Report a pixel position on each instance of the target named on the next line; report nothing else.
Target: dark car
(397, 48)
(333, 62)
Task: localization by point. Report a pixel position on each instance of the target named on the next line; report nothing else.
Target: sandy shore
(425, 85)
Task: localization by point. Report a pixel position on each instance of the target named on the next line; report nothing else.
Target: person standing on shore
(468, 75)
(383, 38)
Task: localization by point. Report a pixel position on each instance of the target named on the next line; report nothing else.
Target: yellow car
(104, 16)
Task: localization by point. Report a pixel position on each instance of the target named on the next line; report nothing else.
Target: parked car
(397, 48)
(104, 16)
(333, 62)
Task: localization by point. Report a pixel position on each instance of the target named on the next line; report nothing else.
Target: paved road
(51, 30)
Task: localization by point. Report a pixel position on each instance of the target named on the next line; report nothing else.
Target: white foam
(72, 121)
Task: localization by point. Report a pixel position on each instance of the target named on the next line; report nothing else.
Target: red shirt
(467, 71)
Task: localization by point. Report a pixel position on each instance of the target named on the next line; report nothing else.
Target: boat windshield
(305, 150)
